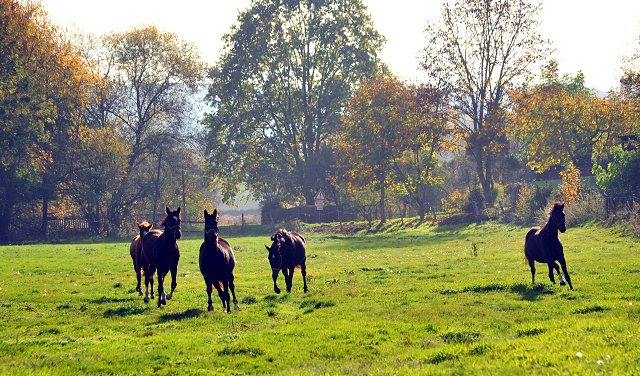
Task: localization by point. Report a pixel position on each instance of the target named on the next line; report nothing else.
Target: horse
(542, 245)
(136, 251)
(161, 252)
(217, 262)
(287, 252)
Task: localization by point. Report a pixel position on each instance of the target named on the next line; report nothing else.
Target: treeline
(112, 128)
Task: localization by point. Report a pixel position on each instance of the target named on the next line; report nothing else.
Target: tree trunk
(5, 219)
(421, 211)
(45, 215)
(157, 193)
(383, 214)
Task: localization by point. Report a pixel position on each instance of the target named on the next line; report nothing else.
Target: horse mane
(145, 224)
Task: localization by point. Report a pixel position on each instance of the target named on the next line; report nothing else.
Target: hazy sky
(588, 35)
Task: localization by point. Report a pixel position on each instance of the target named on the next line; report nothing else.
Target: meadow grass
(419, 299)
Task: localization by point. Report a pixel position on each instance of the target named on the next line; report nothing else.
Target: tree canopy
(44, 88)
(476, 50)
(559, 121)
(287, 71)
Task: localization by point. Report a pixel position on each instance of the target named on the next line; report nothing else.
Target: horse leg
(138, 268)
(557, 269)
(289, 279)
(563, 263)
(148, 278)
(274, 275)
(227, 298)
(552, 265)
(209, 291)
(162, 298)
(174, 284)
(533, 272)
(216, 283)
(139, 277)
(233, 290)
(304, 277)
(152, 273)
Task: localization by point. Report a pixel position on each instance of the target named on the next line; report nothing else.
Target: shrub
(531, 203)
(475, 201)
(454, 202)
(589, 207)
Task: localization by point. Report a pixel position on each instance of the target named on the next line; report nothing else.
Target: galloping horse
(162, 253)
(217, 262)
(136, 251)
(542, 245)
(287, 252)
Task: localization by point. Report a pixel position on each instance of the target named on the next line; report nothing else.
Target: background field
(424, 300)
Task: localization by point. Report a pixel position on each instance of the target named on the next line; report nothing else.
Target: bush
(475, 201)
(454, 202)
(589, 207)
(531, 203)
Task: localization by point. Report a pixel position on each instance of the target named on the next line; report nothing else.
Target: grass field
(425, 300)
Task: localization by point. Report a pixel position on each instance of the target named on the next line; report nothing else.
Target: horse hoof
(140, 293)
(277, 290)
(169, 296)
(210, 308)
(146, 300)
(563, 283)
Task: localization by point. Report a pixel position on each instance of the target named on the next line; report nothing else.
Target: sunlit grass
(419, 299)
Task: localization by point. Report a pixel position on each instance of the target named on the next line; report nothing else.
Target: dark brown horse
(287, 252)
(136, 252)
(161, 252)
(217, 262)
(542, 245)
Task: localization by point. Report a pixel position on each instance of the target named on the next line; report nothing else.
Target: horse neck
(210, 245)
(551, 228)
(168, 235)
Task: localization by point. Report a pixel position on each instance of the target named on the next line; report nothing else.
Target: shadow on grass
(531, 292)
(104, 299)
(527, 292)
(188, 314)
(123, 311)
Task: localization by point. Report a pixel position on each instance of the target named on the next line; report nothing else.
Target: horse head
(211, 230)
(172, 223)
(557, 216)
(275, 258)
(144, 227)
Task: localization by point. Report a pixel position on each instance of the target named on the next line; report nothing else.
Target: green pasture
(417, 300)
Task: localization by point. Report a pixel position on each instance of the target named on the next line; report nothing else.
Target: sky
(591, 36)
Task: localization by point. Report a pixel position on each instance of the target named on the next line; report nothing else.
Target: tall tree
(477, 49)
(427, 135)
(153, 80)
(44, 86)
(373, 136)
(560, 122)
(288, 68)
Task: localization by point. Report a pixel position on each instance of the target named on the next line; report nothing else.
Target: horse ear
(215, 213)
(205, 212)
(178, 210)
(138, 224)
(167, 209)
(267, 248)
(562, 207)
